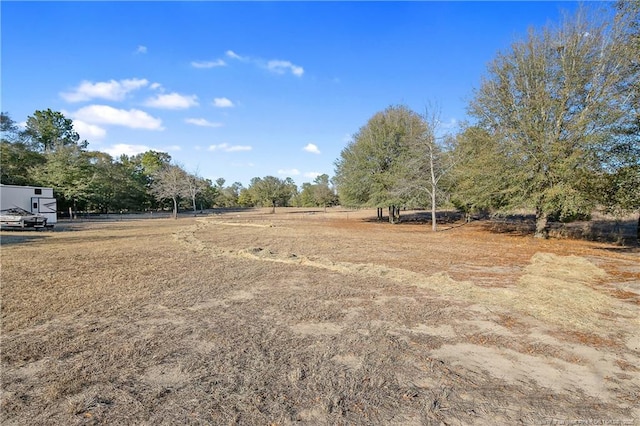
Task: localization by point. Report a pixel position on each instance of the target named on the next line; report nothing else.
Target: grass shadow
(6, 239)
(447, 217)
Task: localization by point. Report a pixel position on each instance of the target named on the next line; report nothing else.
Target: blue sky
(244, 89)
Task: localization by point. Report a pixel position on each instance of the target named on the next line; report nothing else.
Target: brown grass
(254, 318)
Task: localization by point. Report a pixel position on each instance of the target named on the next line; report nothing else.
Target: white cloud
(222, 103)
(451, 124)
(202, 122)
(123, 148)
(275, 65)
(128, 149)
(141, 49)
(22, 125)
(209, 64)
(111, 90)
(312, 175)
(172, 101)
(234, 55)
(229, 148)
(289, 172)
(104, 114)
(312, 148)
(280, 67)
(236, 148)
(89, 131)
(155, 86)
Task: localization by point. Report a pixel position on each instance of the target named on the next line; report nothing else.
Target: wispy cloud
(234, 55)
(155, 86)
(104, 114)
(223, 103)
(141, 50)
(289, 172)
(202, 122)
(229, 148)
(209, 64)
(172, 101)
(236, 148)
(311, 175)
(280, 67)
(312, 148)
(276, 66)
(111, 90)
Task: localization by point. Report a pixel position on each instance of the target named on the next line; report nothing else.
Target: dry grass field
(315, 318)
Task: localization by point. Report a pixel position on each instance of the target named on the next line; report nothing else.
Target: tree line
(48, 152)
(556, 129)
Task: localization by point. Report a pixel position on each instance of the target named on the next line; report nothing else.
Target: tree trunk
(394, 214)
(542, 225)
(638, 230)
(434, 186)
(379, 213)
(175, 208)
(194, 206)
(434, 222)
(273, 208)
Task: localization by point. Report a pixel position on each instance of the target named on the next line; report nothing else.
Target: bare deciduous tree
(170, 182)
(428, 162)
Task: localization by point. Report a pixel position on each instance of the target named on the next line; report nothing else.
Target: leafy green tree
(17, 158)
(208, 195)
(307, 196)
(114, 185)
(9, 131)
(143, 166)
(68, 170)
(17, 161)
(550, 102)
(228, 195)
(619, 188)
(271, 191)
(370, 169)
(48, 130)
(137, 182)
(474, 188)
(323, 194)
(245, 198)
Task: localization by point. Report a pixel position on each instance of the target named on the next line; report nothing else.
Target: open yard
(315, 318)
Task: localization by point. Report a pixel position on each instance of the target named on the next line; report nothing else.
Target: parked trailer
(27, 207)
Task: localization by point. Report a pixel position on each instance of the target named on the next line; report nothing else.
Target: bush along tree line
(556, 129)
